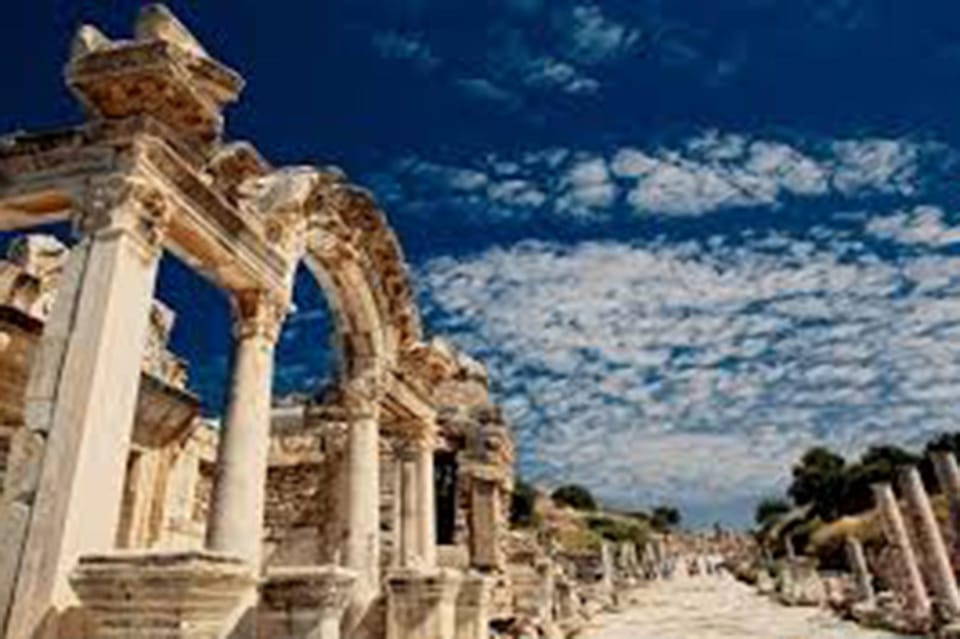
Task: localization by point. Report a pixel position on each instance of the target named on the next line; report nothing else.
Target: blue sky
(689, 238)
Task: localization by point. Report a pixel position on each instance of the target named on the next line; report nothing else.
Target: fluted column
(236, 514)
(931, 541)
(948, 475)
(81, 400)
(426, 489)
(860, 570)
(895, 530)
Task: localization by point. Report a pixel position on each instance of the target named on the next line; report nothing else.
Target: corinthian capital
(258, 314)
(360, 396)
(123, 204)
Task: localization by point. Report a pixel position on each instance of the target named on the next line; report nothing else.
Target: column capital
(407, 448)
(360, 395)
(258, 314)
(125, 204)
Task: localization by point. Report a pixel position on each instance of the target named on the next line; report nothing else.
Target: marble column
(236, 513)
(81, 399)
(362, 545)
(860, 570)
(930, 539)
(410, 551)
(948, 475)
(895, 530)
(426, 489)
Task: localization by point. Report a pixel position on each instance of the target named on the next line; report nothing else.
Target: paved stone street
(721, 608)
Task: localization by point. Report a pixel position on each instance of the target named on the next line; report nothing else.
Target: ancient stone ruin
(379, 507)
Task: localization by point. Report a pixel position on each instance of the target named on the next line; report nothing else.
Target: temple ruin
(378, 507)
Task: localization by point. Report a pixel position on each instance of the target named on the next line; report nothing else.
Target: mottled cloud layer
(699, 175)
(695, 372)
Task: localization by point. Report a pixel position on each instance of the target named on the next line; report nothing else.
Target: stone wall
(304, 489)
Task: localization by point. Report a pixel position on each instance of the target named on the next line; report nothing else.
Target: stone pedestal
(914, 591)
(473, 607)
(421, 604)
(148, 595)
(933, 549)
(303, 602)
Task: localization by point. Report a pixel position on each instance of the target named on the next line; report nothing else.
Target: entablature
(43, 178)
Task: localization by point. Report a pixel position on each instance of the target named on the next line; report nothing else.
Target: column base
(421, 603)
(304, 602)
(161, 595)
(473, 607)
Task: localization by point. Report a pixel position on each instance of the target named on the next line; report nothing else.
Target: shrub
(575, 496)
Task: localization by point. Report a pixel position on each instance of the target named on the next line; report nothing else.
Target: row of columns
(916, 537)
(81, 403)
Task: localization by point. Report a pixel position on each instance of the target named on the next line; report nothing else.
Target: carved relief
(258, 314)
(29, 275)
(125, 204)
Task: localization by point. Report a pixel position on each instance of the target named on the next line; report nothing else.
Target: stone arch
(356, 258)
(316, 216)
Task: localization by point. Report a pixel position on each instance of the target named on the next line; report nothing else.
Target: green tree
(620, 529)
(877, 464)
(818, 482)
(665, 517)
(769, 510)
(522, 504)
(575, 496)
(943, 441)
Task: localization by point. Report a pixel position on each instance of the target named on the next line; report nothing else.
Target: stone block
(421, 603)
(303, 602)
(161, 595)
(473, 607)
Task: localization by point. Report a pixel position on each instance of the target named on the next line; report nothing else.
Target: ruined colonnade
(149, 173)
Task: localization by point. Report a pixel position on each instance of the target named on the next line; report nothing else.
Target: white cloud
(875, 164)
(700, 175)
(516, 193)
(587, 187)
(694, 371)
(922, 225)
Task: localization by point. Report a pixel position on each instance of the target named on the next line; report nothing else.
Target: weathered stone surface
(305, 602)
(911, 586)
(932, 548)
(172, 595)
(109, 461)
(473, 607)
(421, 603)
